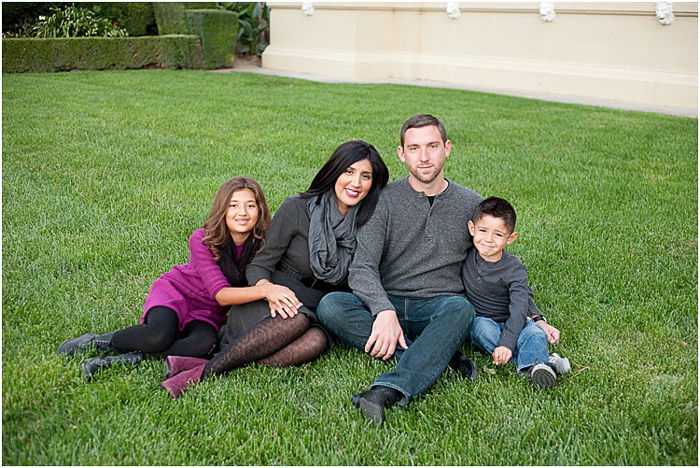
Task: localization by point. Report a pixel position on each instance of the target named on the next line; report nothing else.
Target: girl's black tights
(158, 337)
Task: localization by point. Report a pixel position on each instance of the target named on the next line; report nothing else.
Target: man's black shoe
(464, 367)
(374, 401)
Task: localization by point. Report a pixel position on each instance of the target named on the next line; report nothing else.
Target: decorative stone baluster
(664, 12)
(453, 10)
(547, 12)
(307, 8)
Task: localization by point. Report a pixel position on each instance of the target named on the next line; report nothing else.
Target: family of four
(407, 270)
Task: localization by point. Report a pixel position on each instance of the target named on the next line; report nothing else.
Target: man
(408, 296)
(406, 274)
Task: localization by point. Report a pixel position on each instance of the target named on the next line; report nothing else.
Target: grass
(105, 175)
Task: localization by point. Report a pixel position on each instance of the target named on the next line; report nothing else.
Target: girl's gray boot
(102, 343)
(93, 365)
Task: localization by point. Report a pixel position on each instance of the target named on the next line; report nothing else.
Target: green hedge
(101, 53)
(194, 39)
(200, 5)
(170, 18)
(218, 30)
(136, 17)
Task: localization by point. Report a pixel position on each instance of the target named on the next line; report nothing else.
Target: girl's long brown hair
(215, 226)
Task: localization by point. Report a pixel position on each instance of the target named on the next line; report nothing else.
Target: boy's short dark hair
(498, 208)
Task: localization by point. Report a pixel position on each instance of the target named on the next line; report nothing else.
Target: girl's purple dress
(190, 289)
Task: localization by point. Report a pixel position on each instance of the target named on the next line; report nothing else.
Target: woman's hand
(501, 355)
(281, 300)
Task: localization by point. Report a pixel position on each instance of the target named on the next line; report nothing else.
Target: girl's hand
(281, 300)
(501, 355)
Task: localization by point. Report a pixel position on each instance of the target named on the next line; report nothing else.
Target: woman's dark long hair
(343, 157)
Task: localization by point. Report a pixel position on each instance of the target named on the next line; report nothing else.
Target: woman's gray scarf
(332, 238)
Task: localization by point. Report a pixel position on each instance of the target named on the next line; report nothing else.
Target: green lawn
(105, 175)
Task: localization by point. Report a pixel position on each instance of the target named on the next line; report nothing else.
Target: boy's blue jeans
(434, 330)
(531, 347)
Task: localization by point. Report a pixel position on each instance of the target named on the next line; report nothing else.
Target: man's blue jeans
(434, 330)
(530, 348)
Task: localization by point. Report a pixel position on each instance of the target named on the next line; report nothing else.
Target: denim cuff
(403, 401)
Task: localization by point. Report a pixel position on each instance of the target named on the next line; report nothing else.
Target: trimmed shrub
(170, 18)
(100, 53)
(217, 29)
(136, 17)
(181, 51)
(200, 5)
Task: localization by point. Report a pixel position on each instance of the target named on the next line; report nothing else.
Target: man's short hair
(498, 208)
(423, 120)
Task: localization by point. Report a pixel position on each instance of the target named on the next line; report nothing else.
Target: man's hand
(386, 332)
(501, 355)
(552, 333)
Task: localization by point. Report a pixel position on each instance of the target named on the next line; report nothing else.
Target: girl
(308, 249)
(186, 306)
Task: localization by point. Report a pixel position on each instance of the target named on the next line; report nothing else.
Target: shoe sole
(543, 379)
(371, 411)
(166, 370)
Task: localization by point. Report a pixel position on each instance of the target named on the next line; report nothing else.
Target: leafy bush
(19, 17)
(253, 26)
(76, 22)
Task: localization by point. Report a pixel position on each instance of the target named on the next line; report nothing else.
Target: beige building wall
(617, 51)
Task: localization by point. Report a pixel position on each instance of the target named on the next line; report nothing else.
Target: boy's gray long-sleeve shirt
(411, 248)
(499, 291)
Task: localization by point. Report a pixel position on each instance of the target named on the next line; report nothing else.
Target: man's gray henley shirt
(413, 249)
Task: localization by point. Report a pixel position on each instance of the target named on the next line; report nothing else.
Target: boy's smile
(491, 235)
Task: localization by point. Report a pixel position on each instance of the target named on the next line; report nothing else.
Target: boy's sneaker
(543, 376)
(561, 364)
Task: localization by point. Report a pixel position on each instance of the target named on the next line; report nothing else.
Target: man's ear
(511, 238)
(399, 151)
(448, 148)
(470, 225)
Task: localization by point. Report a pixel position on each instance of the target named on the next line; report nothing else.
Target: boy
(496, 285)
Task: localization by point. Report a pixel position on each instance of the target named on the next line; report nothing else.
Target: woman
(308, 249)
(187, 305)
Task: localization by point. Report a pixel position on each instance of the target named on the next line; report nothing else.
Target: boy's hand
(501, 355)
(550, 330)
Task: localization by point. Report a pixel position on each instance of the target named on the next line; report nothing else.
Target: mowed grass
(105, 175)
